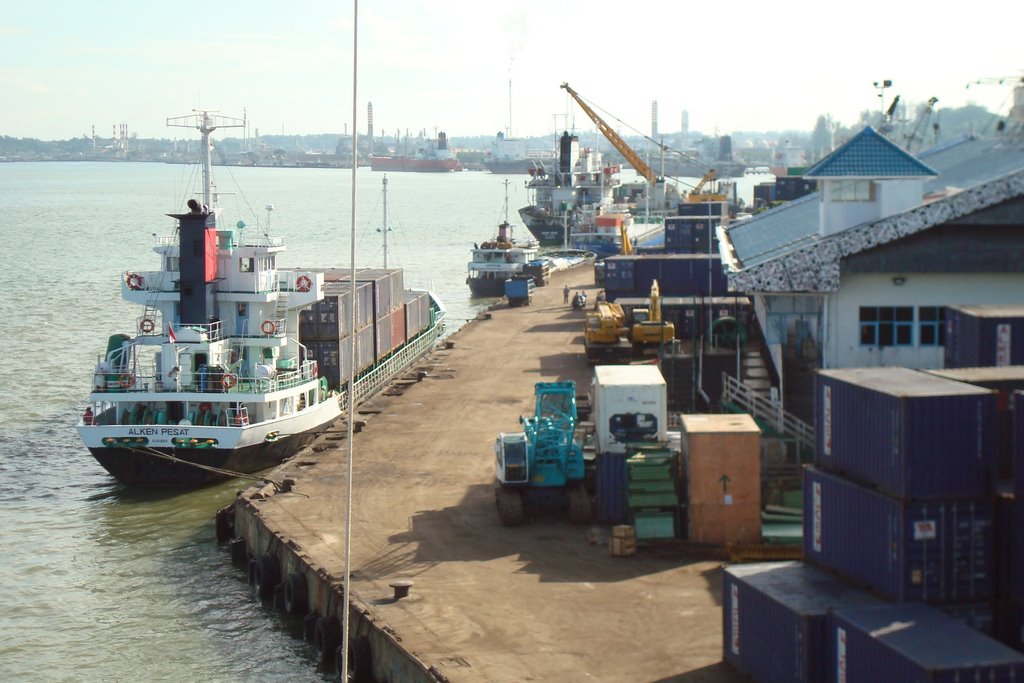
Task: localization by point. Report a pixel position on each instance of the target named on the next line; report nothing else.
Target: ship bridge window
(173, 264)
(245, 265)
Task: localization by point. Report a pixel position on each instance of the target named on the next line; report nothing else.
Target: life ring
(126, 380)
(134, 281)
(268, 327)
(229, 380)
(303, 283)
(146, 326)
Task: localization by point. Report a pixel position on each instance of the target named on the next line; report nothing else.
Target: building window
(852, 191)
(931, 325)
(886, 325)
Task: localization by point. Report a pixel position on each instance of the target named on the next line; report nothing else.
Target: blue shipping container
(936, 551)
(775, 619)
(911, 434)
(1017, 440)
(979, 336)
(910, 642)
(612, 486)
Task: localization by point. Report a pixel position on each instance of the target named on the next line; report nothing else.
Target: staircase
(767, 413)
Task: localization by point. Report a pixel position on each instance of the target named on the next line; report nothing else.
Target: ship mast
(206, 121)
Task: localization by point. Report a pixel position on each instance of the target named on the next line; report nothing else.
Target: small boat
(219, 379)
(501, 258)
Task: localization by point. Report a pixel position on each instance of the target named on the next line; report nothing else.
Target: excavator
(606, 336)
(648, 327)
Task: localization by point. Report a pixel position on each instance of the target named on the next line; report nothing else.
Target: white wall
(842, 347)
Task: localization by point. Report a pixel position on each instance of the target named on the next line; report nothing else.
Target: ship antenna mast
(206, 121)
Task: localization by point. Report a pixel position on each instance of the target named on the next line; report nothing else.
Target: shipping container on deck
(788, 188)
(1004, 380)
(417, 312)
(333, 356)
(911, 434)
(912, 642)
(690, 234)
(612, 483)
(331, 318)
(984, 335)
(775, 619)
(388, 285)
(940, 552)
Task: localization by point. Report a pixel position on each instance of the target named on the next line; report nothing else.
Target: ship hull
(412, 165)
(547, 230)
(512, 166)
(137, 468)
(487, 287)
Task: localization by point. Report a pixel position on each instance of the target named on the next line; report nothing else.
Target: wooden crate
(721, 460)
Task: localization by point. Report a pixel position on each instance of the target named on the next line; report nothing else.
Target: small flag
(170, 334)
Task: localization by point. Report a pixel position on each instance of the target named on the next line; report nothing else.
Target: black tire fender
(295, 593)
(268, 575)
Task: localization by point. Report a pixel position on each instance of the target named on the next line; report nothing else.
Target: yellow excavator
(648, 327)
(606, 335)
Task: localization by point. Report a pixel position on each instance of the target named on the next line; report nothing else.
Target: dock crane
(625, 150)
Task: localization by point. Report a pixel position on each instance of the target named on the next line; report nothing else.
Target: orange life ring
(303, 283)
(134, 281)
(146, 326)
(229, 380)
(268, 327)
(126, 380)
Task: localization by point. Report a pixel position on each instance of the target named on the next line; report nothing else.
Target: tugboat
(216, 381)
(500, 259)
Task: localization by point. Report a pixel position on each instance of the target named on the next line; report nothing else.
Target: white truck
(630, 405)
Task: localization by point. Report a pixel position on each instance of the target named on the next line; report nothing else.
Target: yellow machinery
(605, 334)
(648, 327)
(638, 164)
(695, 195)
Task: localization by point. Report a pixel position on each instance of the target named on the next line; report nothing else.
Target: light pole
(880, 86)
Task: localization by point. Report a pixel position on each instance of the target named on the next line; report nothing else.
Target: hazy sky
(68, 65)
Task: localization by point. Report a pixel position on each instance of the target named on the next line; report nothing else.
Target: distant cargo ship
(431, 156)
(511, 156)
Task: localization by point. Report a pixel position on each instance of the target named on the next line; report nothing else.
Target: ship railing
(260, 241)
(206, 381)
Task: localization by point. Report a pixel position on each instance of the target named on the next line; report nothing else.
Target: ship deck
(545, 601)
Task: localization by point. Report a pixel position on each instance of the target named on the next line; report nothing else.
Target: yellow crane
(638, 164)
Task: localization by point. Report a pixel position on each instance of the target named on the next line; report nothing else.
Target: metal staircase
(767, 413)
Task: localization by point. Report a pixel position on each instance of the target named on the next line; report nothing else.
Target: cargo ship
(431, 156)
(510, 156)
(219, 378)
(580, 182)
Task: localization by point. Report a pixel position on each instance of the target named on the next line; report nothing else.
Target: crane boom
(638, 164)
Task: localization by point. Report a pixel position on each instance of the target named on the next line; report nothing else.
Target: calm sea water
(103, 583)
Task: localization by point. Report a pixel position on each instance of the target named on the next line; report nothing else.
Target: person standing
(565, 295)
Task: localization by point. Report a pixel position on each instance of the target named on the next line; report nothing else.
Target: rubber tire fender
(360, 660)
(267, 575)
(327, 638)
(295, 593)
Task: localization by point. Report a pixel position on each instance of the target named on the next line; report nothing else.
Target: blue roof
(962, 163)
(868, 154)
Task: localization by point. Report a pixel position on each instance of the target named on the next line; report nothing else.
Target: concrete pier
(543, 602)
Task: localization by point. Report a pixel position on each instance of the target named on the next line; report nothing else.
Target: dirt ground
(540, 602)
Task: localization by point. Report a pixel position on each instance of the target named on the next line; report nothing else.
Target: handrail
(768, 411)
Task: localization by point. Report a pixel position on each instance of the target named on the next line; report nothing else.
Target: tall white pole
(350, 392)
(385, 226)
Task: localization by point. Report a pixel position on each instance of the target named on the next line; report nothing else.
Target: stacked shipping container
(677, 275)
(386, 316)
(984, 336)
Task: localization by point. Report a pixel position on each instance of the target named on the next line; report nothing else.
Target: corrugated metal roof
(961, 164)
(869, 154)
